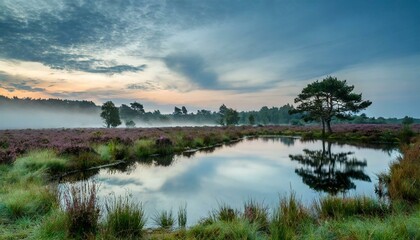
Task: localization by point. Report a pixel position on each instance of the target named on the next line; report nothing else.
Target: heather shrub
(163, 146)
(81, 207)
(7, 156)
(75, 149)
(4, 143)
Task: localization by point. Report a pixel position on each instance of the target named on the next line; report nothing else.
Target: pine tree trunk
(329, 126)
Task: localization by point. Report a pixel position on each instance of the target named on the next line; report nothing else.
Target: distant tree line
(51, 103)
(129, 114)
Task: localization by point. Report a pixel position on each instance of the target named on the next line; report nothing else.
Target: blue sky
(246, 54)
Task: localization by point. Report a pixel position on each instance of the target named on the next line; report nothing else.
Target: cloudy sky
(201, 54)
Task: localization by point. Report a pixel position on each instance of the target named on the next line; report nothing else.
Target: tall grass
(338, 208)
(288, 218)
(404, 177)
(221, 230)
(85, 160)
(23, 194)
(224, 213)
(395, 226)
(182, 216)
(144, 148)
(125, 218)
(81, 206)
(164, 219)
(42, 160)
(32, 202)
(53, 226)
(118, 151)
(257, 213)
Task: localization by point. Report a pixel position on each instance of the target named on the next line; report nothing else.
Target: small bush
(81, 206)
(125, 218)
(164, 219)
(164, 146)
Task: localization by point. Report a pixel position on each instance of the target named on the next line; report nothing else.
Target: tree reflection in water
(330, 172)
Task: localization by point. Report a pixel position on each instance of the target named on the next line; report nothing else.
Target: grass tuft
(164, 219)
(39, 161)
(125, 218)
(32, 202)
(224, 213)
(238, 229)
(337, 208)
(53, 226)
(288, 218)
(182, 216)
(144, 148)
(257, 213)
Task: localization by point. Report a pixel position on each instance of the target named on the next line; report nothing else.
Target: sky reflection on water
(259, 169)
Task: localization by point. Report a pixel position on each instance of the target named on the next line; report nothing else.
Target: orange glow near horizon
(76, 85)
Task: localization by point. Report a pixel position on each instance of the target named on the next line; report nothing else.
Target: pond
(259, 169)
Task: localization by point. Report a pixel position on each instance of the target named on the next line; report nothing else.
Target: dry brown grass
(404, 182)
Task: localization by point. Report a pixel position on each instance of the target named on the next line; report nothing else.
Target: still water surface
(261, 169)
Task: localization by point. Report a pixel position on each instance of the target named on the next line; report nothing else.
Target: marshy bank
(30, 208)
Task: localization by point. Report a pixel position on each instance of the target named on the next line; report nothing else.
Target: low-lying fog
(42, 118)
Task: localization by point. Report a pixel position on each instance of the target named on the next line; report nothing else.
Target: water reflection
(286, 141)
(330, 172)
(256, 168)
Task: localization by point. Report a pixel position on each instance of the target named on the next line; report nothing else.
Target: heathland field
(32, 205)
